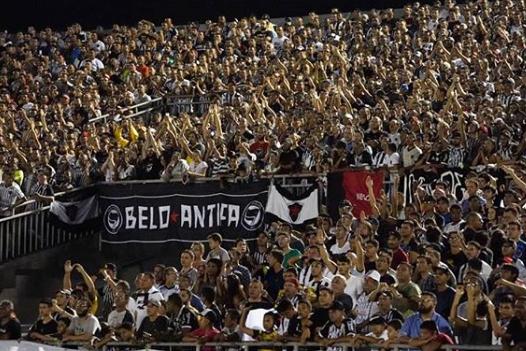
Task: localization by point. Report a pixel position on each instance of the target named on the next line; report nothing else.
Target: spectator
(84, 326)
(426, 312)
(216, 251)
(147, 293)
(120, 314)
(154, 326)
(169, 287)
(45, 326)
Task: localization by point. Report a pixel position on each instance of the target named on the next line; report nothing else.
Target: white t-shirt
(391, 160)
(337, 250)
(409, 157)
(199, 168)
(354, 287)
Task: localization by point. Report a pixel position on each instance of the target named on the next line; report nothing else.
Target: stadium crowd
(439, 87)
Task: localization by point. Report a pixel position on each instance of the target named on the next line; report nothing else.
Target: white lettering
(130, 218)
(362, 197)
(210, 209)
(199, 220)
(164, 217)
(222, 214)
(186, 215)
(152, 224)
(233, 215)
(142, 217)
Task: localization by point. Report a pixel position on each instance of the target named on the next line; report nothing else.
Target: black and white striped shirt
(40, 189)
(8, 197)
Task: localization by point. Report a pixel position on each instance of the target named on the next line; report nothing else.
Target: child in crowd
(377, 334)
(393, 333)
(269, 332)
(430, 338)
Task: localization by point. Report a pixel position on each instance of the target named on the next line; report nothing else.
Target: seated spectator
(120, 314)
(83, 326)
(426, 311)
(154, 326)
(339, 329)
(10, 328)
(430, 337)
(206, 331)
(45, 326)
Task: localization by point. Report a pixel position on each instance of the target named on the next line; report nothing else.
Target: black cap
(210, 315)
(377, 320)
(345, 203)
(337, 305)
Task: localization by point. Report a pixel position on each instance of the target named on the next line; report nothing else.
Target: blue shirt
(411, 327)
(520, 252)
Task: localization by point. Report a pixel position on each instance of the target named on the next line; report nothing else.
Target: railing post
(296, 347)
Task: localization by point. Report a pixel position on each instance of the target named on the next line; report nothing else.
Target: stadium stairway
(28, 279)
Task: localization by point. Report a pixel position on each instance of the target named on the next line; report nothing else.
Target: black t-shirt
(320, 317)
(273, 282)
(11, 329)
(444, 301)
(48, 328)
(294, 327)
(150, 168)
(158, 326)
(455, 261)
(516, 330)
(185, 319)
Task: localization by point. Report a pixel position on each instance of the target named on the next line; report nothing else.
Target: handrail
(294, 345)
(125, 109)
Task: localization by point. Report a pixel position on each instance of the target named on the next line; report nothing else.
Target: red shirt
(444, 339)
(399, 256)
(209, 334)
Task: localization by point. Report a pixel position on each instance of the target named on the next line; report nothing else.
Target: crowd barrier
(245, 346)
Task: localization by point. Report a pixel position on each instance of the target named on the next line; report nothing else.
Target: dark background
(57, 14)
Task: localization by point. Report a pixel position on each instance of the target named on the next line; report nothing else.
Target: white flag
(292, 211)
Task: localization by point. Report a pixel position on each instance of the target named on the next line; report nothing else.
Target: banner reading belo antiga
(173, 212)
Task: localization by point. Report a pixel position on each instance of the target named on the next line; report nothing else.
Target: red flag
(356, 189)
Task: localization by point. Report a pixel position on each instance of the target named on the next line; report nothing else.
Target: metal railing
(32, 231)
(195, 104)
(143, 109)
(294, 346)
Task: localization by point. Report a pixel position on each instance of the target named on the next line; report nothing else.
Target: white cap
(374, 275)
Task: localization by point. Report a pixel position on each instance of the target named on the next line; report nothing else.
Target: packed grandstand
(422, 91)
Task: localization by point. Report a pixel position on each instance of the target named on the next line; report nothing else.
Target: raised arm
(66, 281)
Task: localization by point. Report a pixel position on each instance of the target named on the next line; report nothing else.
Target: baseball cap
(210, 315)
(345, 203)
(442, 267)
(374, 275)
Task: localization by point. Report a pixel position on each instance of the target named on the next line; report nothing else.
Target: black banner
(453, 177)
(172, 212)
